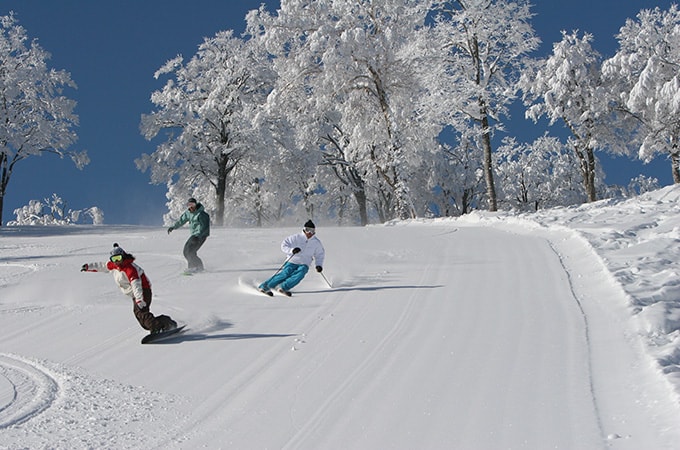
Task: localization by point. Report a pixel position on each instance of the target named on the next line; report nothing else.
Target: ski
(266, 292)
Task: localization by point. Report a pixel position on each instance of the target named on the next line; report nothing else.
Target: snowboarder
(132, 280)
(199, 227)
(300, 249)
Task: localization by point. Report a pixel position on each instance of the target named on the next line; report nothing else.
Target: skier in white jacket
(301, 249)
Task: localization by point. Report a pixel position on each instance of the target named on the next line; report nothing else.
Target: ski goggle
(116, 258)
(309, 230)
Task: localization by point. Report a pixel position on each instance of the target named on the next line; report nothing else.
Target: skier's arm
(319, 255)
(289, 244)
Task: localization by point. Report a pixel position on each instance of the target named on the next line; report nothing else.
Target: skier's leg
(285, 272)
(295, 277)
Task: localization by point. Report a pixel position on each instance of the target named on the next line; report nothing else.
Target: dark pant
(190, 248)
(143, 315)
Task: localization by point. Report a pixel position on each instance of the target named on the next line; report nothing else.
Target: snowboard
(157, 337)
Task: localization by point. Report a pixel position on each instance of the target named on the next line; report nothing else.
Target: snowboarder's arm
(94, 267)
(138, 292)
(204, 221)
(184, 218)
(135, 280)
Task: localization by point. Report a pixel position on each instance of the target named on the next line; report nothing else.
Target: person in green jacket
(199, 226)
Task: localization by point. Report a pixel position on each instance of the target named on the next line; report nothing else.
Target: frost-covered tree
(487, 43)
(541, 174)
(35, 115)
(647, 68)
(568, 86)
(457, 178)
(642, 184)
(209, 109)
(351, 177)
(54, 211)
(350, 78)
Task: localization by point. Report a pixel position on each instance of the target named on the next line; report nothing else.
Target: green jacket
(199, 221)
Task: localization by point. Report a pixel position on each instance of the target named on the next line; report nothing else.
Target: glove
(170, 230)
(141, 304)
(84, 268)
(319, 269)
(296, 250)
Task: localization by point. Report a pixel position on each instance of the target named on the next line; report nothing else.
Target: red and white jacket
(130, 277)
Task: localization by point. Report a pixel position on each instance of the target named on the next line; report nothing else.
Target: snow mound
(48, 405)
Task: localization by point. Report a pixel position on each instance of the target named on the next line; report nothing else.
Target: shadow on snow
(187, 336)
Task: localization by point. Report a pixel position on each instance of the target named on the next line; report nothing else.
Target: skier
(300, 249)
(199, 227)
(132, 280)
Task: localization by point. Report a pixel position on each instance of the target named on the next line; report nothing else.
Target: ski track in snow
(478, 332)
(28, 390)
(44, 405)
(361, 371)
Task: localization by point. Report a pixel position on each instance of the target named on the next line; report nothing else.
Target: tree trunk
(587, 163)
(220, 192)
(488, 162)
(360, 197)
(675, 166)
(590, 185)
(5, 171)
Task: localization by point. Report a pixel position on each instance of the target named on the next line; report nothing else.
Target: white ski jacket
(309, 248)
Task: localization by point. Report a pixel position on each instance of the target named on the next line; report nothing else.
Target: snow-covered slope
(637, 241)
(556, 330)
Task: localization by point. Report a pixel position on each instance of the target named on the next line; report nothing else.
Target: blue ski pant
(289, 277)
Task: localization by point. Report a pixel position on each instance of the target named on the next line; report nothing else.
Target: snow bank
(637, 240)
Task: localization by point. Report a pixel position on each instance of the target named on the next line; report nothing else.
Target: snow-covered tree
(541, 174)
(208, 108)
(54, 211)
(647, 68)
(642, 184)
(487, 43)
(568, 86)
(457, 178)
(35, 115)
(350, 81)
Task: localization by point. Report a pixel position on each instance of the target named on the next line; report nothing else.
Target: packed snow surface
(557, 330)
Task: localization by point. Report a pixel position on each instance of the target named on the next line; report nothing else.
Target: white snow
(557, 330)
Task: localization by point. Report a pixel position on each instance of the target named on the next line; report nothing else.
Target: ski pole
(325, 279)
(284, 263)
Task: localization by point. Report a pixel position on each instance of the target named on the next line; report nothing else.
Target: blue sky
(112, 50)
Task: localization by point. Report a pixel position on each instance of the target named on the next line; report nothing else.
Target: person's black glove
(319, 269)
(296, 250)
(170, 230)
